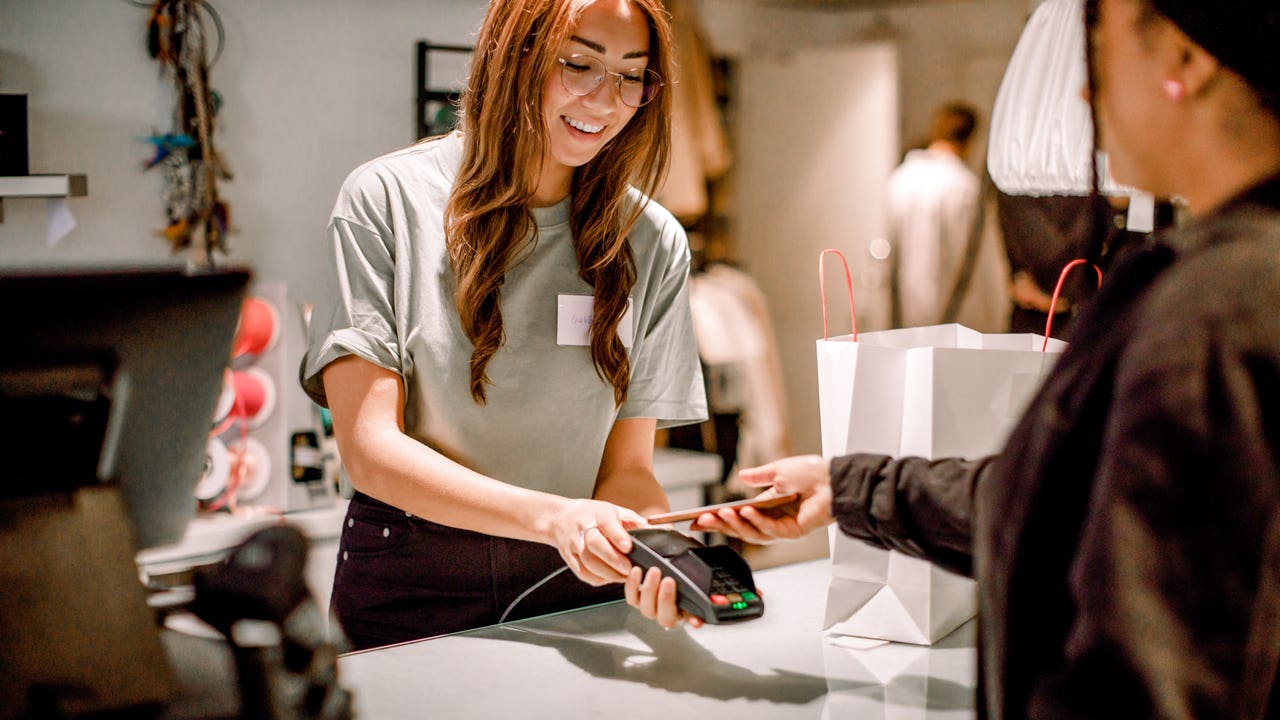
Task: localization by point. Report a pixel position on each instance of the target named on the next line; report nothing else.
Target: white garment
(933, 198)
(737, 344)
(1041, 135)
(1041, 138)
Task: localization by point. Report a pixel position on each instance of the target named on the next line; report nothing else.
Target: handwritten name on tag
(573, 321)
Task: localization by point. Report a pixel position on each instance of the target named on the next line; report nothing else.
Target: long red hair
(488, 224)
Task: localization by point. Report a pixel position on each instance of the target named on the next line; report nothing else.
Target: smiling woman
(492, 434)
(539, 158)
(581, 112)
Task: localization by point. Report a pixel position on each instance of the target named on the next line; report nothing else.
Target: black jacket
(1127, 540)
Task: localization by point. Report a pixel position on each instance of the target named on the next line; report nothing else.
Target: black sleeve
(921, 507)
(1171, 560)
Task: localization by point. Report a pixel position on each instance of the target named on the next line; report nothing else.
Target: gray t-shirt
(548, 412)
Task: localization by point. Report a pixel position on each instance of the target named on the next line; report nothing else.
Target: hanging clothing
(699, 145)
(740, 353)
(979, 299)
(1042, 234)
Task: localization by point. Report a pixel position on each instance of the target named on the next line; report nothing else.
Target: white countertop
(609, 662)
(210, 535)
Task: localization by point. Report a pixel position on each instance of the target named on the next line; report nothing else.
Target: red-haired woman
(509, 326)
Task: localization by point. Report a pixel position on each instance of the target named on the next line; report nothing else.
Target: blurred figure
(933, 203)
(1042, 234)
(509, 326)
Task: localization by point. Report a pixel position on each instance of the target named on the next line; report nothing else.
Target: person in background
(1042, 234)
(509, 326)
(933, 203)
(1126, 541)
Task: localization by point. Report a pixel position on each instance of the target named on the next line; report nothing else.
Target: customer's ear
(1190, 71)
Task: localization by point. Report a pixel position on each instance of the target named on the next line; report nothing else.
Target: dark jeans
(401, 578)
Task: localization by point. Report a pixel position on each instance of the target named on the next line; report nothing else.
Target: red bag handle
(822, 288)
(1053, 303)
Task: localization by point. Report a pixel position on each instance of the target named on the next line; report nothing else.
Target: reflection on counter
(608, 661)
(866, 677)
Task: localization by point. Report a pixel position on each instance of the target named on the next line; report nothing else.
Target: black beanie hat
(1244, 35)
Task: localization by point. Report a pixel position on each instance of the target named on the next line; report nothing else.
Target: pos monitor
(108, 384)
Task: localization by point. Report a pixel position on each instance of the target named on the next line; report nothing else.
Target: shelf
(436, 113)
(31, 186)
(41, 186)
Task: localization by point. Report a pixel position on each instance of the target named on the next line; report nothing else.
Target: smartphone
(693, 513)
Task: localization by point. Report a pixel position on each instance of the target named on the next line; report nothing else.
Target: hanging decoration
(198, 219)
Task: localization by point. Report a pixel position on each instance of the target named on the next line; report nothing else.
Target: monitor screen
(111, 375)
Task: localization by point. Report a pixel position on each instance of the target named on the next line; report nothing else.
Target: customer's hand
(807, 475)
(655, 597)
(592, 537)
(1026, 294)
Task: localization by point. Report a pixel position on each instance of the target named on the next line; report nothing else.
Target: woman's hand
(592, 537)
(593, 540)
(807, 475)
(655, 597)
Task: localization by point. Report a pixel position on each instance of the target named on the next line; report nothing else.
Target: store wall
(310, 88)
(956, 48)
(821, 159)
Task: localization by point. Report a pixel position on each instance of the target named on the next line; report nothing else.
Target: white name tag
(573, 321)
(1142, 213)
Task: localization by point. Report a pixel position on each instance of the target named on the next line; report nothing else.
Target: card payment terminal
(713, 582)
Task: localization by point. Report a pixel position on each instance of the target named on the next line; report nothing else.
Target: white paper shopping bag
(885, 594)
(936, 391)
(960, 393)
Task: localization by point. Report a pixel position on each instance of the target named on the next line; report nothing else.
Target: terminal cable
(525, 594)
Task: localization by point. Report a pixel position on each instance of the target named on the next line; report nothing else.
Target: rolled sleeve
(666, 374)
(358, 317)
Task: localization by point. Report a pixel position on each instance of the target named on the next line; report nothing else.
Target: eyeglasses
(582, 74)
